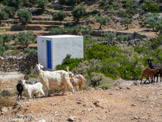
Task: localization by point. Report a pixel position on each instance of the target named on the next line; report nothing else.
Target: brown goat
(149, 73)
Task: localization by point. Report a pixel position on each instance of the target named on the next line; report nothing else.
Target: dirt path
(119, 104)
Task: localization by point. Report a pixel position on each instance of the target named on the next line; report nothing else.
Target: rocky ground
(123, 103)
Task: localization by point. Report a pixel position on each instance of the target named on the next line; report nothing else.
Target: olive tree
(4, 39)
(42, 4)
(102, 21)
(10, 11)
(3, 16)
(78, 13)
(15, 3)
(25, 38)
(59, 16)
(69, 2)
(24, 16)
(126, 22)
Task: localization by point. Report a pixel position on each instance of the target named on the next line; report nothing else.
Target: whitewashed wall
(61, 46)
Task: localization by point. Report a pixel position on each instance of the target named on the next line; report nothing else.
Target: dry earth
(124, 103)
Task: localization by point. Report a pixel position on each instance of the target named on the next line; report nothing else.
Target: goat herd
(152, 72)
(67, 80)
(51, 79)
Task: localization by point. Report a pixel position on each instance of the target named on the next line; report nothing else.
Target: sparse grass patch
(6, 102)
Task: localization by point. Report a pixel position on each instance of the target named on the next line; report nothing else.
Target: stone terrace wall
(14, 63)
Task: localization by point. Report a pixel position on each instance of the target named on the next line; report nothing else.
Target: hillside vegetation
(108, 56)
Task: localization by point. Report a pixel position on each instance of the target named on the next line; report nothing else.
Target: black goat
(19, 88)
(153, 66)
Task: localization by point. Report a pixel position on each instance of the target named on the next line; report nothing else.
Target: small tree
(102, 21)
(126, 22)
(78, 13)
(59, 16)
(158, 26)
(24, 16)
(105, 3)
(42, 4)
(69, 2)
(3, 16)
(151, 20)
(10, 10)
(25, 39)
(150, 6)
(4, 38)
(15, 3)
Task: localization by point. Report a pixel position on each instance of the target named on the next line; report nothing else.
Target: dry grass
(6, 102)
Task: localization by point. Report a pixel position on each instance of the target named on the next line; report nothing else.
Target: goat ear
(67, 68)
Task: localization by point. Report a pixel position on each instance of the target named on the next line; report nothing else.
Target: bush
(24, 16)
(6, 93)
(98, 79)
(87, 67)
(30, 51)
(6, 102)
(69, 62)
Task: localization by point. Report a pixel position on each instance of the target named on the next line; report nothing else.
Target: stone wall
(14, 63)
(132, 35)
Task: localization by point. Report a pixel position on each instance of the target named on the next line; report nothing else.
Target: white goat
(31, 89)
(54, 79)
(78, 81)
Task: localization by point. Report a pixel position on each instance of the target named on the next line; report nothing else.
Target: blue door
(49, 55)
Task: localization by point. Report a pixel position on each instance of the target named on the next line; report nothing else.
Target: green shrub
(87, 67)
(97, 79)
(6, 93)
(30, 51)
(69, 62)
